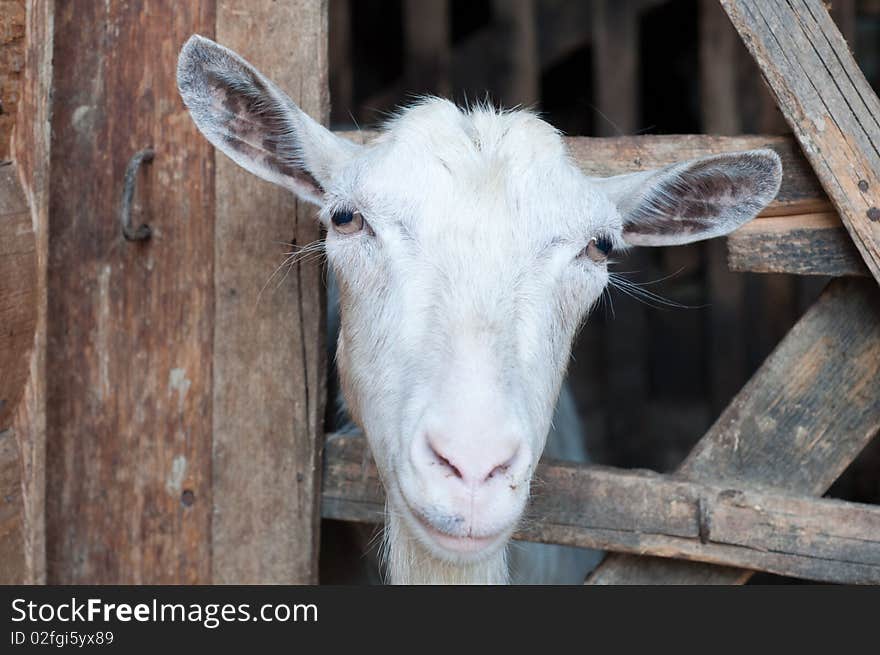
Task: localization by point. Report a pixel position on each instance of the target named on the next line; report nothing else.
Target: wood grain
(13, 570)
(18, 288)
(647, 513)
(130, 324)
(810, 244)
(13, 20)
(804, 416)
(269, 348)
(834, 113)
(31, 145)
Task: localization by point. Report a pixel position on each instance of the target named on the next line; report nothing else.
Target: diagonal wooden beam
(834, 113)
(798, 423)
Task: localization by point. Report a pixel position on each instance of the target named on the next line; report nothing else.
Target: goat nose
(477, 461)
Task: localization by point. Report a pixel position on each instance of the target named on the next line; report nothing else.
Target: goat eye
(346, 221)
(598, 249)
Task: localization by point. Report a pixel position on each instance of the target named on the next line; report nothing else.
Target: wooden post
(129, 323)
(23, 446)
(269, 351)
(797, 424)
(825, 98)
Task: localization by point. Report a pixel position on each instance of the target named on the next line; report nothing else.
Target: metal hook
(143, 232)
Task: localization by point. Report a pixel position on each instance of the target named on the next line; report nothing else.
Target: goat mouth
(457, 544)
(463, 545)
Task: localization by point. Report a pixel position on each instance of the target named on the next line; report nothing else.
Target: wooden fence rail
(646, 513)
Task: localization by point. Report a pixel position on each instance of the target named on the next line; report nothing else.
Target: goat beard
(407, 561)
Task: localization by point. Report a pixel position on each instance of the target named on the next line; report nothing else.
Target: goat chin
(408, 562)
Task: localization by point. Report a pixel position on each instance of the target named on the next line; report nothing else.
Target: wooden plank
(810, 244)
(804, 416)
(31, 145)
(129, 332)
(269, 355)
(831, 108)
(12, 58)
(18, 292)
(646, 513)
(13, 569)
(18, 319)
(800, 192)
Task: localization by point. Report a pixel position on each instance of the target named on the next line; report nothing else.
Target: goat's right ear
(255, 123)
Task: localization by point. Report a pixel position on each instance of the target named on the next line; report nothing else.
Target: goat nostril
(501, 468)
(504, 467)
(444, 461)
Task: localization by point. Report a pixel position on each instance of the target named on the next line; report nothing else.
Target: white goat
(468, 249)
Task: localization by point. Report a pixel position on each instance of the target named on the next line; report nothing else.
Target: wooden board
(826, 100)
(643, 512)
(18, 318)
(810, 244)
(269, 349)
(18, 292)
(797, 424)
(31, 145)
(12, 59)
(13, 569)
(130, 324)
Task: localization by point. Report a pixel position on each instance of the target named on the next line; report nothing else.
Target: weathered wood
(267, 426)
(831, 108)
(18, 318)
(12, 539)
(797, 424)
(646, 513)
(811, 244)
(800, 192)
(130, 324)
(31, 145)
(18, 288)
(12, 60)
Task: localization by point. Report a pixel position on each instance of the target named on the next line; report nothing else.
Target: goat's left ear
(255, 123)
(696, 199)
